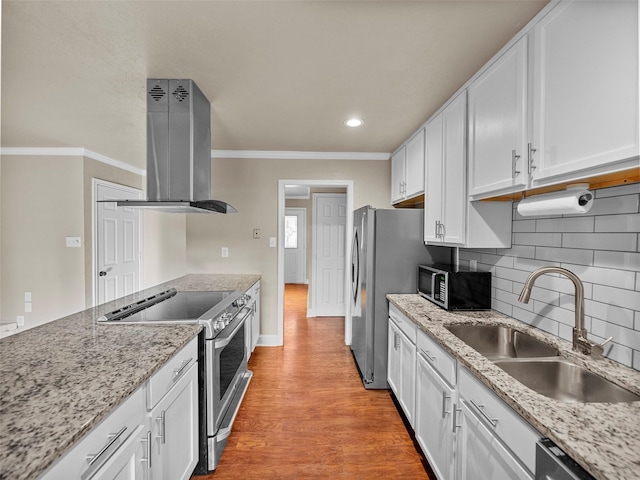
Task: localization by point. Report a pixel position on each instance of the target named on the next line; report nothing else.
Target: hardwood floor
(307, 415)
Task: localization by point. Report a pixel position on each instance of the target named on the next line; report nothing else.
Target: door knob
(103, 273)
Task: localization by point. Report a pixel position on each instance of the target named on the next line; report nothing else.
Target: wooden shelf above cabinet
(624, 177)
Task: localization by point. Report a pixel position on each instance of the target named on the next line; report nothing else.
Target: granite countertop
(603, 437)
(60, 379)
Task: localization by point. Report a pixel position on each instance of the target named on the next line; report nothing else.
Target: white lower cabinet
(435, 401)
(480, 455)
(152, 435)
(401, 367)
(252, 325)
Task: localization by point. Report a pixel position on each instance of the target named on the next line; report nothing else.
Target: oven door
(226, 364)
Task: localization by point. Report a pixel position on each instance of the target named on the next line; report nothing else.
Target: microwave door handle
(433, 285)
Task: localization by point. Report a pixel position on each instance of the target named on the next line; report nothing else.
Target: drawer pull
(112, 439)
(179, 371)
(456, 411)
(480, 408)
(162, 421)
(445, 397)
(149, 450)
(429, 357)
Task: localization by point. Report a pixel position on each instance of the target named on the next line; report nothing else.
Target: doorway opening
(322, 193)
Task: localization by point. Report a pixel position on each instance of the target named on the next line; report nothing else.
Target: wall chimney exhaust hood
(178, 150)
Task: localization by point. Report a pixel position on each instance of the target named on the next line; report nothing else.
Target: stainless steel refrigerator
(387, 248)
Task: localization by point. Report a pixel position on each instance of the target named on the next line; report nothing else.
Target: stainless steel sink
(500, 342)
(560, 379)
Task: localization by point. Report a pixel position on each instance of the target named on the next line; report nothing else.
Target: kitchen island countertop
(60, 379)
(603, 437)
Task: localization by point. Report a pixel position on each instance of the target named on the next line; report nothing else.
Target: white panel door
(330, 216)
(295, 245)
(117, 243)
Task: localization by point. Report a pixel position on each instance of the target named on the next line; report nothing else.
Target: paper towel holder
(576, 199)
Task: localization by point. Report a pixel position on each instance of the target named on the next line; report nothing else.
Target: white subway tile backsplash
(553, 254)
(601, 247)
(566, 224)
(542, 239)
(627, 242)
(621, 260)
(615, 205)
(603, 276)
(617, 296)
(621, 336)
(524, 226)
(616, 191)
(497, 260)
(610, 313)
(618, 223)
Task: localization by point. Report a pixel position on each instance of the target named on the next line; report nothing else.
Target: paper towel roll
(572, 201)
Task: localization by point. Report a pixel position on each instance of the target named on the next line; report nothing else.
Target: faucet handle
(606, 341)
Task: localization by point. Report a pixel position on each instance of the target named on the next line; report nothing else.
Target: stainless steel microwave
(455, 288)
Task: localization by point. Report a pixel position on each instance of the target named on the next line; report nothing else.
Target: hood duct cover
(178, 150)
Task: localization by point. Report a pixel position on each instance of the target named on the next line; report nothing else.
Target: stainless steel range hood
(178, 150)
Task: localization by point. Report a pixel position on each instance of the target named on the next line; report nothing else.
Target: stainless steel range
(223, 373)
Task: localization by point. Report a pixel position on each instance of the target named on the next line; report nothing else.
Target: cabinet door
(398, 175)
(433, 180)
(393, 358)
(479, 454)
(174, 430)
(407, 386)
(129, 462)
(414, 165)
(255, 320)
(433, 419)
(454, 201)
(498, 125)
(586, 89)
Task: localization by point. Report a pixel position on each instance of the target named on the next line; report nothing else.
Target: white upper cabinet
(498, 124)
(585, 95)
(561, 104)
(407, 169)
(449, 218)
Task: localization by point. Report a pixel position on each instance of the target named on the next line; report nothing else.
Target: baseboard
(311, 313)
(268, 341)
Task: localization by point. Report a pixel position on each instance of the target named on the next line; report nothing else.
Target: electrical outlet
(27, 307)
(272, 242)
(27, 296)
(256, 233)
(473, 265)
(20, 321)
(225, 252)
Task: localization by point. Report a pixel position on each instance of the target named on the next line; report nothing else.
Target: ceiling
(280, 75)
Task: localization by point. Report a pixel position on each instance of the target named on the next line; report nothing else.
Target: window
(290, 231)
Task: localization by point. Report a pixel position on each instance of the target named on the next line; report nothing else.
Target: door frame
(278, 339)
(94, 229)
(303, 212)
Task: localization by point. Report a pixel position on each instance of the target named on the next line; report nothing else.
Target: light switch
(272, 242)
(27, 296)
(27, 307)
(225, 252)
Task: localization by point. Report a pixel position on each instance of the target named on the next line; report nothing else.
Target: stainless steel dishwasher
(553, 464)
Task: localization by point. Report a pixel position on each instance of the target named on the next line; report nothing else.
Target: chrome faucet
(580, 341)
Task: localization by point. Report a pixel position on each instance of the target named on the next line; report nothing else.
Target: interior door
(330, 216)
(295, 245)
(117, 241)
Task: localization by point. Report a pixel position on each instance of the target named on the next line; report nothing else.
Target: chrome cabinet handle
(179, 371)
(480, 408)
(396, 343)
(514, 161)
(162, 435)
(112, 439)
(149, 450)
(530, 152)
(429, 357)
(455, 418)
(445, 397)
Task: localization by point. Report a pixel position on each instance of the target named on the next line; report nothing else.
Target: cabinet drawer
(407, 327)
(500, 418)
(103, 442)
(436, 356)
(162, 381)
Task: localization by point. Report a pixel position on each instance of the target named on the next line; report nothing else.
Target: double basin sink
(539, 366)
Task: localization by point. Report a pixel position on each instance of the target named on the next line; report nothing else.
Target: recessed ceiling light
(354, 122)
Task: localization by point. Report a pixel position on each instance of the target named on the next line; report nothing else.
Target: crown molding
(295, 155)
(70, 152)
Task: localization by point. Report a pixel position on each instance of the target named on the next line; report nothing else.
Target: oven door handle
(221, 342)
